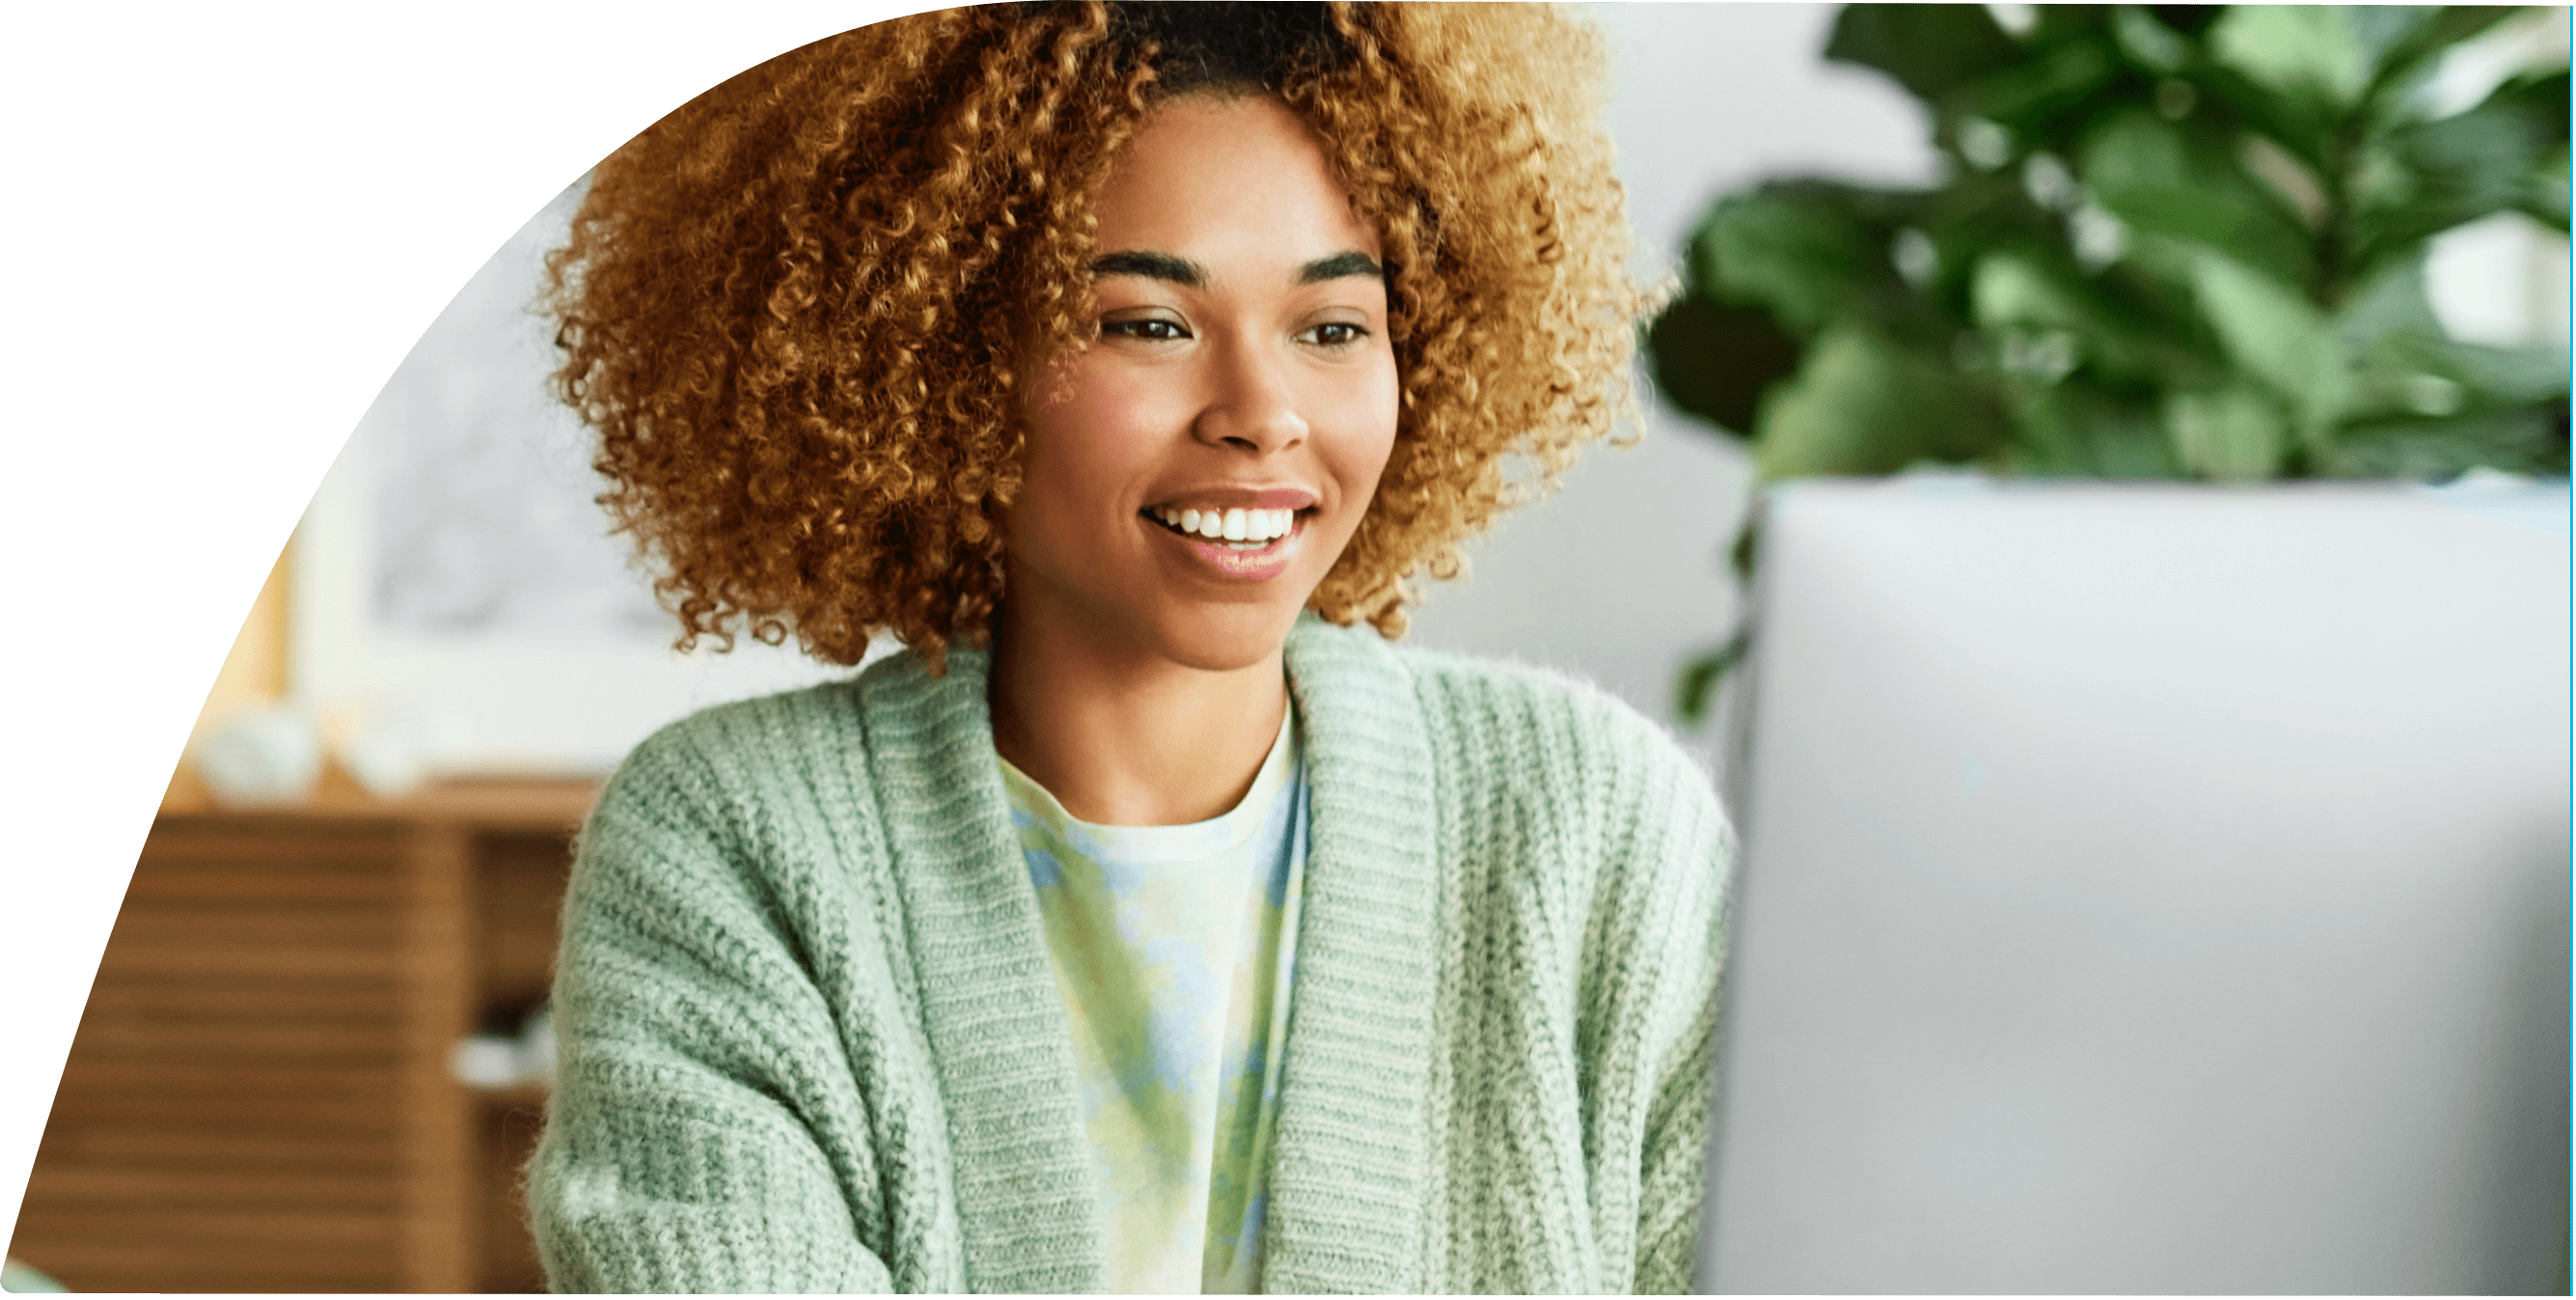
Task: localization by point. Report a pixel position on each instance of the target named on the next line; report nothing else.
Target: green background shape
(228, 225)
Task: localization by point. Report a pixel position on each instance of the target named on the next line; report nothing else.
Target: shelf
(259, 1096)
(488, 803)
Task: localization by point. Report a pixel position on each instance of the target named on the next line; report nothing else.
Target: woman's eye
(1152, 329)
(1336, 334)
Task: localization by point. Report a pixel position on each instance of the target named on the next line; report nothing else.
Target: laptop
(2149, 888)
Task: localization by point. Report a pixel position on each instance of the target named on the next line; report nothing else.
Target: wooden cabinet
(259, 1098)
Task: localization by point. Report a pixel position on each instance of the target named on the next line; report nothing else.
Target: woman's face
(1242, 384)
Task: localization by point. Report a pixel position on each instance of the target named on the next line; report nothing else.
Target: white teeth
(1255, 526)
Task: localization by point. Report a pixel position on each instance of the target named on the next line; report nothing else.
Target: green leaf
(2017, 290)
(2295, 50)
(2545, 196)
(2379, 29)
(1746, 553)
(1802, 254)
(1714, 359)
(2392, 302)
(2235, 434)
(2148, 42)
(2500, 375)
(1702, 676)
(2307, 127)
(2159, 177)
(2526, 440)
(2507, 153)
(2072, 431)
(2190, 20)
(2403, 39)
(2408, 377)
(1972, 214)
(1930, 50)
(1862, 404)
(2034, 96)
(2277, 336)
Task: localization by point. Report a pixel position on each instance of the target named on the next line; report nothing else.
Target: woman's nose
(1251, 404)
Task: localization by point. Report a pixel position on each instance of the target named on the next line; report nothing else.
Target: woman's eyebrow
(1339, 265)
(1190, 275)
(1153, 266)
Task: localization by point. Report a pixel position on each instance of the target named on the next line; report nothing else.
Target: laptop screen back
(2150, 889)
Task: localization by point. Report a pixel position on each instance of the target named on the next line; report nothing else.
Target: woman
(1144, 925)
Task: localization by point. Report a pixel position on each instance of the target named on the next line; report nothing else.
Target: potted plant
(2175, 242)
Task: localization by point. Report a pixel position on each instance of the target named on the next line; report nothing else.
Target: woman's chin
(1224, 638)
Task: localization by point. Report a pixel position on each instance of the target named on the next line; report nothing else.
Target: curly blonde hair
(800, 310)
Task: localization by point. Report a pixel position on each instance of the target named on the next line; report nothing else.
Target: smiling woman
(1138, 927)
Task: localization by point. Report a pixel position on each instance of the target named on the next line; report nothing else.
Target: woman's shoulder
(1541, 706)
(747, 741)
(805, 754)
(1541, 733)
(828, 723)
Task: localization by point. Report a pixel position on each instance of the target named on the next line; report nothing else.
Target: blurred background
(2202, 243)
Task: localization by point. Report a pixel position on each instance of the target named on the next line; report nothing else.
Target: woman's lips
(1237, 561)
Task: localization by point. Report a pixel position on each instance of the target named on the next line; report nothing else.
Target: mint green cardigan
(811, 1041)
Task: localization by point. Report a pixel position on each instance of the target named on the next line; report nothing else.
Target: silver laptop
(2150, 889)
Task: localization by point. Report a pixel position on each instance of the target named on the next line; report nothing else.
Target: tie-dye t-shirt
(1174, 947)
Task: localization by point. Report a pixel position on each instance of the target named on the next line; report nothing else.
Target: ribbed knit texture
(811, 1040)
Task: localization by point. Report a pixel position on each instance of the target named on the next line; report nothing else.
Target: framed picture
(456, 584)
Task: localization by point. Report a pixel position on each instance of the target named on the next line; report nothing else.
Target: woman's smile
(1241, 545)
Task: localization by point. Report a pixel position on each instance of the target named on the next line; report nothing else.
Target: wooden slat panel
(258, 1096)
(509, 1137)
(347, 1232)
(199, 1280)
(105, 1075)
(274, 848)
(140, 1264)
(118, 1146)
(248, 1041)
(439, 1242)
(245, 1112)
(298, 858)
(252, 883)
(108, 1266)
(336, 929)
(69, 1188)
(539, 853)
(530, 805)
(520, 883)
(265, 962)
(346, 1001)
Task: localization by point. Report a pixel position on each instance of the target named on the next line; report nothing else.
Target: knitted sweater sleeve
(681, 1152)
(1651, 995)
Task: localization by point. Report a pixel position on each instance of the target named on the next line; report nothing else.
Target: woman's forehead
(1220, 181)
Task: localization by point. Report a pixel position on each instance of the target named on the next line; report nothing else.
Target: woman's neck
(1128, 739)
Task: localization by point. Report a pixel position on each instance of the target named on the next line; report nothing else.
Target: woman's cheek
(1371, 416)
(1123, 403)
